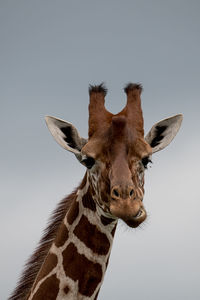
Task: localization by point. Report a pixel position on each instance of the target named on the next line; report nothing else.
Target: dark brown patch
(105, 221)
(73, 212)
(66, 290)
(48, 290)
(92, 237)
(88, 201)
(62, 236)
(105, 189)
(79, 268)
(49, 264)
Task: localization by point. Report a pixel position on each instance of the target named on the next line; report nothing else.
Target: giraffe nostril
(115, 192)
(131, 192)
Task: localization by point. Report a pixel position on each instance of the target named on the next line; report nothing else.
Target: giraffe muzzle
(136, 220)
(130, 210)
(139, 214)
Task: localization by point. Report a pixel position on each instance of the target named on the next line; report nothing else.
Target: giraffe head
(116, 152)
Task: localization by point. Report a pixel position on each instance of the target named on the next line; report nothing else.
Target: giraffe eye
(145, 161)
(88, 162)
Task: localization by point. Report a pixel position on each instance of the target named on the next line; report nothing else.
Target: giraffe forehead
(108, 136)
(113, 125)
(123, 143)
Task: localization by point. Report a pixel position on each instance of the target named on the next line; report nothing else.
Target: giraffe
(73, 254)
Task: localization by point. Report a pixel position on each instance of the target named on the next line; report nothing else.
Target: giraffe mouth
(136, 220)
(131, 217)
(140, 213)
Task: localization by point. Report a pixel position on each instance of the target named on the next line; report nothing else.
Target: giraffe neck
(77, 260)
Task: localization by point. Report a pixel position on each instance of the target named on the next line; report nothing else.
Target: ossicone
(97, 112)
(132, 87)
(101, 88)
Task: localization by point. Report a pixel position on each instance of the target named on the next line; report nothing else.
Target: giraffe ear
(163, 132)
(66, 135)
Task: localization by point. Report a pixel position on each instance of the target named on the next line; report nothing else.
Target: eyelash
(145, 161)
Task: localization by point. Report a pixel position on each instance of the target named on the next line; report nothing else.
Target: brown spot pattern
(48, 290)
(105, 221)
(88, 201)
(62, 236)
(92, 237)
(49, 264)
(79, 268)
(73, 212)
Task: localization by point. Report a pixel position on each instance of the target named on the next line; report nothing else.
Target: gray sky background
(49, 53)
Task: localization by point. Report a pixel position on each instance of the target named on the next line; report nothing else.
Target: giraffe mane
(35, 262)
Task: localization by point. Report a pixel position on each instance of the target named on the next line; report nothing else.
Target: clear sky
(50, 51)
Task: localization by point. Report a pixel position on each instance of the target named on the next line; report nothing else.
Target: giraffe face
(116, 153)
(116, 163)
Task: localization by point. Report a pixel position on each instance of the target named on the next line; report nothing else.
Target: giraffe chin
(130, 220)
